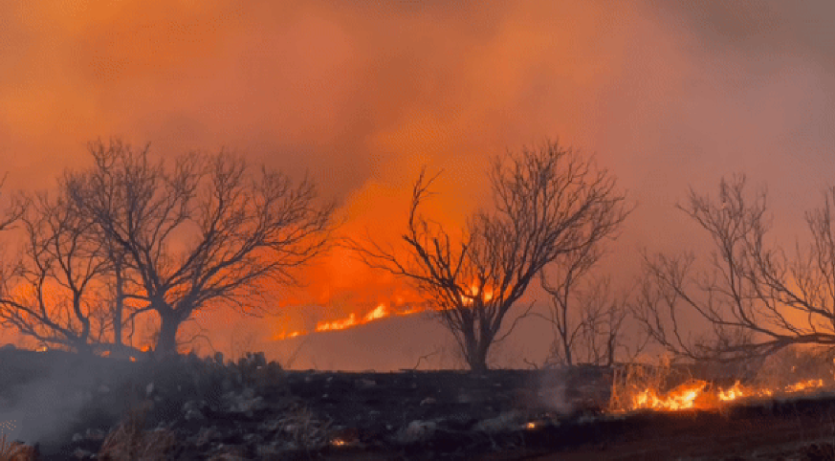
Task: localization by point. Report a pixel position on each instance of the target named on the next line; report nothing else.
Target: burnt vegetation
(135, 237)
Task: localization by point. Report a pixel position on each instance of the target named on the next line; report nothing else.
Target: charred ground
(188, 408)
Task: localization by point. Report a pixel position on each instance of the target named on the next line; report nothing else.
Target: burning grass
(664, 388)
(15, 451)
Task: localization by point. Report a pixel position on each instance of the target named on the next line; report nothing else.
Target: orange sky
(362, 94)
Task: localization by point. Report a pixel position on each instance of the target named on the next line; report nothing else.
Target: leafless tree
(200, 229)
(547, 202)
(754, 299)
(50, 292)
(588, 321)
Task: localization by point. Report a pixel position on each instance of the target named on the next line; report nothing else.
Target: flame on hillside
(381, 311)
(470, 296)
(352, 320)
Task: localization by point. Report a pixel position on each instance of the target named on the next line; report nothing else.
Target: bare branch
(547, 202)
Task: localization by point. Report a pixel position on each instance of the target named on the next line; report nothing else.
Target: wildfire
(698, 394)
(378, 313)
(472, 294)
(734, 392)
(803, 385)
(681, 398)
(337, 324)
(381, 311)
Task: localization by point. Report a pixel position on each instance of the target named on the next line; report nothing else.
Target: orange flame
(681, 398)
(378, 313)
(469, 297)
(695, 394)
(381, 311)
(803, 385)
(337, 324)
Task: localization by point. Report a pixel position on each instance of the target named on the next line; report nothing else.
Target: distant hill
(384, 345)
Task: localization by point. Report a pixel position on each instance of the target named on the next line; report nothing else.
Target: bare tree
(50, 293)
(588, 321)
(547, 202)
(754, 299)
(199, 230)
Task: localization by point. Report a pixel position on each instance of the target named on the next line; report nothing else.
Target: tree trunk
(569, 359)
(476, 355)
(167, 339)
(82, 347)
(118, 307)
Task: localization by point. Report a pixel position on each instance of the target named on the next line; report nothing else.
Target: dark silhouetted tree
(547, 202)
(50, 292)
(753, 298)
(588, 319)
(197, 230)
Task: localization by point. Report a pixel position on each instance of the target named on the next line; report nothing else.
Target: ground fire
(702, 395)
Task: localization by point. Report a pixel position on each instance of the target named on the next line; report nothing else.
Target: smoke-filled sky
(362, 94)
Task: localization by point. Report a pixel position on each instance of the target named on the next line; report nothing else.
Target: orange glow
(352, 320)
(681, 398)
(300, 86)
(470, 296)
(804, 385)
(735, 392)
(379, 312)
(698, 394)
(337, 324)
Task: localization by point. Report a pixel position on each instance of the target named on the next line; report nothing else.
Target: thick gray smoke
(42, 395)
